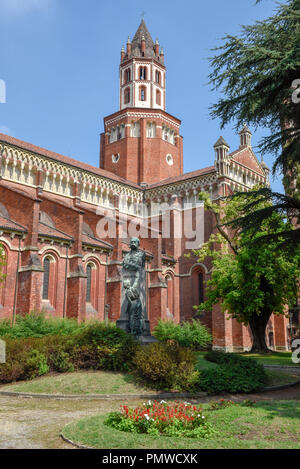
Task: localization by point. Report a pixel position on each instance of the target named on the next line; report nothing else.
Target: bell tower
(141, 142)
(142, 72)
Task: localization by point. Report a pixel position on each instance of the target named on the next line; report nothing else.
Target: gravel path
(36, 424)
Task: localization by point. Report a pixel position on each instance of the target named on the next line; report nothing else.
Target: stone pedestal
(123, 324)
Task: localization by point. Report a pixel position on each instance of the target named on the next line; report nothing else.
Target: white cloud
(21, 7)
(5, 130)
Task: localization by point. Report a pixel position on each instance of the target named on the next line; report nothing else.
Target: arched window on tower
(165, 133)
(142, 93)
(151, 130)
(143, 73)
(158, 97)
(135, 129)
(157, 77)
(127, 75)
(127, 96)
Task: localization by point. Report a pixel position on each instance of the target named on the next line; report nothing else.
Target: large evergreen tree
(258, 73)
(250, 280)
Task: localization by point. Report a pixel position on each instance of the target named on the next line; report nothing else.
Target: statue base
(147, 340)
(123, 324)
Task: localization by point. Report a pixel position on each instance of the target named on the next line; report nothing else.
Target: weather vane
(143, 14)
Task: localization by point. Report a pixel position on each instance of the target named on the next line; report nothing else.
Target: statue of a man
(133, 263)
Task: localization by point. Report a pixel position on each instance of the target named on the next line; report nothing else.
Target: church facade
(65, 225)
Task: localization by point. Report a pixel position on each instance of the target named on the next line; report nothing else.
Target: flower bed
(154, 418)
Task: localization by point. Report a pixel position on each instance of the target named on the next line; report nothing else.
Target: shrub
(187, 334)
(166, 366)
(37, 325)
(249, 365)
(105, 347)
(36, 364)
(25, 358)
(60, 362)
(234, 374)
(94, 346)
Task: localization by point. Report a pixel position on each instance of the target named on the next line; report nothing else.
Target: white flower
(163, 402)
(149, 403)
(203, 417)
(147, 417)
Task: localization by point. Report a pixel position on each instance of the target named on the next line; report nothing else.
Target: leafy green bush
(234, 374)
(95, 346)
(24, 360)
(250, 366)
(60, 362)
(187, 334)
(105, 347)
(166, 366)
(36, 324)
(36, 364)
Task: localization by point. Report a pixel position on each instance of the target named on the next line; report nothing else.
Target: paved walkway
(27, 423)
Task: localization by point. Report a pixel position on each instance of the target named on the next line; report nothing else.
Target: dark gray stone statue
(133, 317)
(133, 278)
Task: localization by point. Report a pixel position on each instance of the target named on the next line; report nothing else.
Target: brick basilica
(51, 207)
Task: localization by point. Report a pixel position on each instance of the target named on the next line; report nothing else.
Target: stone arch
(3, 271)
(95, 285)
(50, 278)
(198, 274)
(170, 301)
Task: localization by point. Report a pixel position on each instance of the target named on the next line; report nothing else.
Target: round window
(115, 158)
(169, 159)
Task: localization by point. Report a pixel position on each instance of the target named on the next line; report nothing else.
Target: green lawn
(267, 425)
(80, 382)
(203, 364)
(277, 378)
(275, 358)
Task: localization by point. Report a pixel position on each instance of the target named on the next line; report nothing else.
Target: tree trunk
(258, 326)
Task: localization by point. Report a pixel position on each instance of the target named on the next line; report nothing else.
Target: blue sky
(60, 58)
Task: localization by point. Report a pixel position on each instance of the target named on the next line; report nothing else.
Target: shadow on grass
(283, 409)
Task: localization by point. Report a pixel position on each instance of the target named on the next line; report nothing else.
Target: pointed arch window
(3, 269)
(46, 278)
(201, 287)
(88, 283)
(170, 295)
(157, 77)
